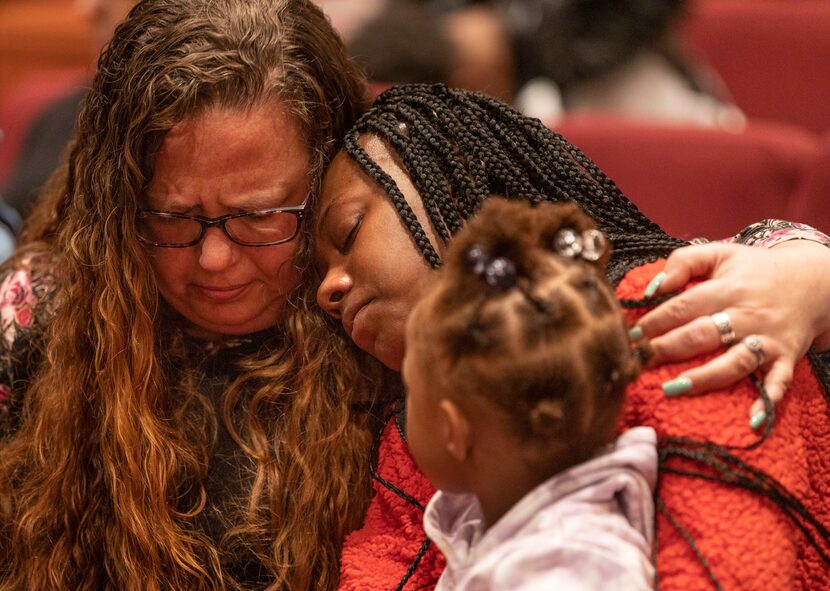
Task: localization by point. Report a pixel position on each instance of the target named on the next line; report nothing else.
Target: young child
(516, 362)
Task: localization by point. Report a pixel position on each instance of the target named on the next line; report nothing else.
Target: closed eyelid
(333, 236)
(334, 223)
(353, 227)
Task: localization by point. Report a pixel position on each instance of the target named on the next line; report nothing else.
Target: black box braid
(461, 147)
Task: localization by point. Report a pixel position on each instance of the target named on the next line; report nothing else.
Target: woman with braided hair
(411, 172)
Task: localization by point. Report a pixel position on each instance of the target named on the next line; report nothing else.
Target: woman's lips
(221, 294)
(352, 319)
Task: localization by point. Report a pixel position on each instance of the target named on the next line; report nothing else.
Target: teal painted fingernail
(757, 419)
(635, 334)
(677, 386)
(655, 284)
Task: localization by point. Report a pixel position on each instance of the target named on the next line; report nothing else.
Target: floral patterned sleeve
(768, 233)
(26, 294)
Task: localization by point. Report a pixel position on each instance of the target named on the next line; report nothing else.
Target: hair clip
(593, 245)
(497, 272)
(589, 245)
(567, 243)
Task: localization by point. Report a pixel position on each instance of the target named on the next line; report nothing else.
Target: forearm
(771, 232)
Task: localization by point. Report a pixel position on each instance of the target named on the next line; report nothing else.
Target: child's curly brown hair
(531, 325)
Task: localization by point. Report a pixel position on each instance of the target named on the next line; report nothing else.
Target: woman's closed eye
(351, 235)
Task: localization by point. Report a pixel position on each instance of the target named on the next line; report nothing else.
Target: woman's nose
(216, 252)
(336, 284)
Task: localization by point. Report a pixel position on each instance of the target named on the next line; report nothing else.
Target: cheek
(420, 425)
(405, 274)
(381, 332)
(171, 267)
(403, 285)
(412, 411)
(413, 279)
(275, 267)
(415, 433)
(427, 450)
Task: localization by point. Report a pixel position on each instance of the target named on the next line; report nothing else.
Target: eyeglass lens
(251, 229)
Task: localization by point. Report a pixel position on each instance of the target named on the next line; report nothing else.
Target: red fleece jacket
(749, 543)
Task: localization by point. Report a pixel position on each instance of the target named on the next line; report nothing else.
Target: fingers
(722, 371)
(690, 340)
(735, 364)
(693, 306)
(685, 264)
(778, 379)
(745, 284)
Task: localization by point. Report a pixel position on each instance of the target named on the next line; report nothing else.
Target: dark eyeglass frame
(297, 210)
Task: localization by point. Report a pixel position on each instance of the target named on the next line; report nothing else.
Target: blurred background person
(403, 43)
(613, 56)
(347, 17)
(549, 57)
(47, 137)
(462, 44)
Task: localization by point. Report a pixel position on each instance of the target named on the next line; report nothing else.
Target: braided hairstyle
(461, 147)
(522, 316)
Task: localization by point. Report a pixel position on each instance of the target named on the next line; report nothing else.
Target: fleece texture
(748, 541)
(378, 556)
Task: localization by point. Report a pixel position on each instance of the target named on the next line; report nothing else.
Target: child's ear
(456, 430)
(547, 418)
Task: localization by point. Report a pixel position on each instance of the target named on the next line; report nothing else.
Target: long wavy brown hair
(99, 484)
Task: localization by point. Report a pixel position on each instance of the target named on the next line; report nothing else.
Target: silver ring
(753, 343)
(724, 326)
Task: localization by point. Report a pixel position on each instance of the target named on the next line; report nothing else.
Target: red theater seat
(703, 182)
(812, 202)
(23, 102)
(45, 50)
(772, 55)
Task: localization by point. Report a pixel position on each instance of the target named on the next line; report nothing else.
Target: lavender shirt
(588, 528)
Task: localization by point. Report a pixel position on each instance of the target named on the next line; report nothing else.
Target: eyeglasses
(267, 227)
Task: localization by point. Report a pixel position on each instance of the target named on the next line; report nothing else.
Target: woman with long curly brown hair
(159, 379)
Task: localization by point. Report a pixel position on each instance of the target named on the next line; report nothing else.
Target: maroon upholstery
(24, 101)
(772, 55)
(811, 203)
(704, 182)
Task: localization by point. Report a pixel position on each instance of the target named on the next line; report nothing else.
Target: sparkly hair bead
(477, 259)
(593, 245)
(590, 245)
(497, 272)
(567, 243)
(500, 273)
